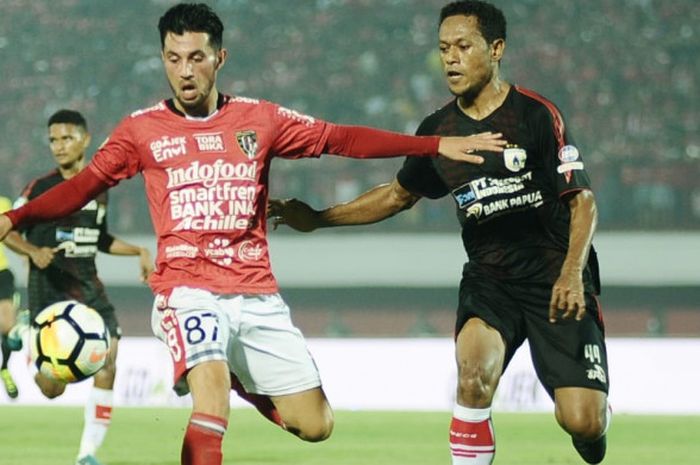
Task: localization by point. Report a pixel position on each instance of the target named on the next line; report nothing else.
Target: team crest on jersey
(248, 142)
(514, 158)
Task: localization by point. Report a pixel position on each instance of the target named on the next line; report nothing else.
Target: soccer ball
(69, 341)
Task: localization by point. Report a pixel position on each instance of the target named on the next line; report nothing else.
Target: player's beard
(468, 96)
(196, 107)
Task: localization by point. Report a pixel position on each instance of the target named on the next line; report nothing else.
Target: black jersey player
(62, 266)
(528, 217)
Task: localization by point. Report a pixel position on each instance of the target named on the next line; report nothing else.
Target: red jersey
(206, 184)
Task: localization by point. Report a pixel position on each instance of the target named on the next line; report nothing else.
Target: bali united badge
(248, 142)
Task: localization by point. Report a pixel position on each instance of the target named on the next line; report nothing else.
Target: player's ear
(498, 46)
(221, 56)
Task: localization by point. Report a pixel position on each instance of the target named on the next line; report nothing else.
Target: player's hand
(146, 264)
(5, 226)
(568, 298)
(292, 212)
(462, 148)
(42, 257)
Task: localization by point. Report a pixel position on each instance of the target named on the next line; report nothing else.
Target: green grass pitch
(49, 436)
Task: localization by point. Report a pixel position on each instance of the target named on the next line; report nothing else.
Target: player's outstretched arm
(375, 205)
(365, 142)
(57, 202)
(568, 293)
(40, 256)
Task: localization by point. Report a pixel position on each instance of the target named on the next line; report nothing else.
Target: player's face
(191, 65)
(467, 60)
(68, 144)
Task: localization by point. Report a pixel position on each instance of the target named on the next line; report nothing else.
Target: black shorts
(7, 285)
(568, 353)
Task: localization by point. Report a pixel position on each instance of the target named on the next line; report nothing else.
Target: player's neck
(70, 171)
(487, 101)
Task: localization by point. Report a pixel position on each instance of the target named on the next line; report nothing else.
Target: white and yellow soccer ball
(69, 341)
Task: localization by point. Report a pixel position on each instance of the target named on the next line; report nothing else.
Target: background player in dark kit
(8, 310)
(62, 267)
(528, 219)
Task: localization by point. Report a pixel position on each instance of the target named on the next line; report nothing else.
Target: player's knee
(584, 425)
(476, 383)
(52, 390)
(105, 377)
(317, 430)
(312, 428)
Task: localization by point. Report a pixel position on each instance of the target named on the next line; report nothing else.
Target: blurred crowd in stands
(624, 72)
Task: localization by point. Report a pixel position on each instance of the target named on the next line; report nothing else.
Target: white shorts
(253, 333)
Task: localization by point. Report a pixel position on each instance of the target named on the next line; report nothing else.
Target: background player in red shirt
(62, 267)
(205, 159)
(528, 218)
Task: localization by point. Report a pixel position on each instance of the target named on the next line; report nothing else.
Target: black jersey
(512, 208)
(72, 273)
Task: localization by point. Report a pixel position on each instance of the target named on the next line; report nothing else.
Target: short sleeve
(298, 135)
(117, 158)
(562, 159)
(419, 177)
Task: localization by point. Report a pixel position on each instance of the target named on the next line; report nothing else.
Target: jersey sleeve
(562, 159)
(418, 175)
(298, 135)
(117, 158)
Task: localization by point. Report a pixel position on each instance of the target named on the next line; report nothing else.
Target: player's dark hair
(192, 17)
(68, 117)
(491, 20)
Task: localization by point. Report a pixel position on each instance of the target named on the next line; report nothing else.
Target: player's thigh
(269, 354)
(104, 379)
(306, 413)
(568, 353)
(581, 411)
(490, 326)
(480, 350)
(7, 315)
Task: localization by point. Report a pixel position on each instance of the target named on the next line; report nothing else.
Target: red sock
(471, 437)
(202, 443)
(261, 402)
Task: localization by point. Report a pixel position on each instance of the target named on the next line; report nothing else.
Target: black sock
(5, 352)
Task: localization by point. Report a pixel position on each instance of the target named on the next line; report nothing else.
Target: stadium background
(624, 72)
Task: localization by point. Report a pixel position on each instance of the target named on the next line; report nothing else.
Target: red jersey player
(205, 158)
